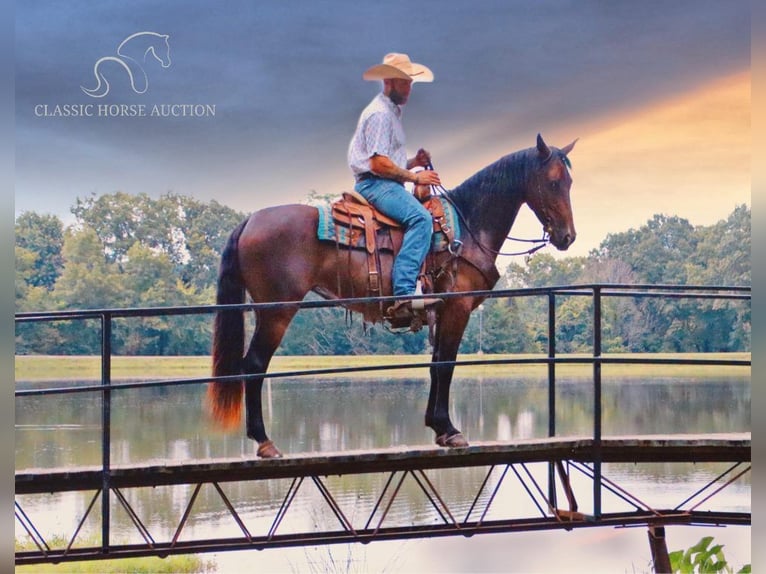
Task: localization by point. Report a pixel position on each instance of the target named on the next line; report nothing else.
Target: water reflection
(323, 416)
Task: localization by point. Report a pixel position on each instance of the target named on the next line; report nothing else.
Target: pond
(330, 415)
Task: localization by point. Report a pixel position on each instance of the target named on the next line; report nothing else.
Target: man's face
(399, 90)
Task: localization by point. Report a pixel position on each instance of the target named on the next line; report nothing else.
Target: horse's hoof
(267, 449)
(456, 440)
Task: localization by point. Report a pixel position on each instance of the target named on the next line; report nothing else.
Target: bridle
(543, 209)
(542, 242)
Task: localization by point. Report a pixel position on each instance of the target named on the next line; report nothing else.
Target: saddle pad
(327, 230)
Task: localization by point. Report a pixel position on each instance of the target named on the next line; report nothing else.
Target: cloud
(686, 156)
(286, 82)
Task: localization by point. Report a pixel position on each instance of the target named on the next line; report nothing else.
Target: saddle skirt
(356, 225)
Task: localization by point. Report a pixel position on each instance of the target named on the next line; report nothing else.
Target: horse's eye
(555, 185)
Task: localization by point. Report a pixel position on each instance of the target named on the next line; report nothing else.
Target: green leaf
(702, 544)
(716, 550)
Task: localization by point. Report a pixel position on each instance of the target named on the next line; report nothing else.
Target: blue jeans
(393, 200)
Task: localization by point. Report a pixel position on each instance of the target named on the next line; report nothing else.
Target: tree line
(133, 251)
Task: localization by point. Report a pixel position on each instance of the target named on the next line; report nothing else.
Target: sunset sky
(658, 94)
(657, 91)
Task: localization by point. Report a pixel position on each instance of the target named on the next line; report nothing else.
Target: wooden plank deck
(644, 448)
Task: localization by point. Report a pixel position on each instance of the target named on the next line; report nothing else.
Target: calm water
(169, 425)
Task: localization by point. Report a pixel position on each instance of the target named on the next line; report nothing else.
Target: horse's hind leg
(270, 328)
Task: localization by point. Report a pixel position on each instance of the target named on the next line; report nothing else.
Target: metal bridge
(550, 472)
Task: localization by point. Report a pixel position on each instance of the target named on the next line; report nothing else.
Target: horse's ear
(567, 149)
(542, 148)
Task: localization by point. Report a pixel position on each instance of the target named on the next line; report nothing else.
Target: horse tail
(224, 398)
(102, 87)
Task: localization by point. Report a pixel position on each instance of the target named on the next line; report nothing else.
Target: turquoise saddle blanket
(328, 230)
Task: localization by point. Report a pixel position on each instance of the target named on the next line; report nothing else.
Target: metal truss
(505, 463)
(378, 525)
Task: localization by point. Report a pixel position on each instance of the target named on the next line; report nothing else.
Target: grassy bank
(172, 565)
(176, 564)
(46, 367)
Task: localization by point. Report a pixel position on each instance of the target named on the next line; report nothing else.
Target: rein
(543, 241)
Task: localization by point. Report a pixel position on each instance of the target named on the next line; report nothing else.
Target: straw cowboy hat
(399, 66)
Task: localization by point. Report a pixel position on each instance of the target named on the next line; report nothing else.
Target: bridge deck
(644, 448)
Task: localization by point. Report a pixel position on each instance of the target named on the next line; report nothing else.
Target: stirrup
(409, 308)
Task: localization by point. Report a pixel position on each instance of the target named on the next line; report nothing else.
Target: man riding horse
(277, 255)
(378, 160)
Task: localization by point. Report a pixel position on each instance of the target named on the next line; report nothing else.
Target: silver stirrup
(418, 304)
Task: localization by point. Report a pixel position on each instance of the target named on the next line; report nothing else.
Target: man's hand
(381, 166)
(427, 177)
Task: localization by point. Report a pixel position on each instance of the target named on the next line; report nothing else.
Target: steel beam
(733, 447)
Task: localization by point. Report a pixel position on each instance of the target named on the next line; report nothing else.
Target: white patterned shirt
(378, 132)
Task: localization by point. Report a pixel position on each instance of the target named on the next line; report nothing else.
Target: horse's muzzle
(562, 241)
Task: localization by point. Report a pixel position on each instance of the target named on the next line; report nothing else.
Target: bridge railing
(597, 293)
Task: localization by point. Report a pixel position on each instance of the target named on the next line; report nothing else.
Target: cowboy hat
(399, 66)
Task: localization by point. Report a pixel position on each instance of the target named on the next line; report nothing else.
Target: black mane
(495, 184)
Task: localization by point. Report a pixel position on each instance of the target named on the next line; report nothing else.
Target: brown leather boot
(406, 308)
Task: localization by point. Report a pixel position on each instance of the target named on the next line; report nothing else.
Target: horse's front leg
(452, 323)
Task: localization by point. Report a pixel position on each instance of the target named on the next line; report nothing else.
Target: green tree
(191, 233)
(544, 270)
(204, 228)
(723, 251)
(723, 258)
(151, 283)
(669, 250)
(657, 252)
(574, 329)
(39, 239)
(89, 280)
(163, 252)
(498, 326)
(134, 251)
(25, 269)
(117, 219)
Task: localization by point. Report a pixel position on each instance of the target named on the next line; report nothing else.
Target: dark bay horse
(274, 255)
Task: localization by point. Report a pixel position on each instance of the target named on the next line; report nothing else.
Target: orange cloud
(688, 156)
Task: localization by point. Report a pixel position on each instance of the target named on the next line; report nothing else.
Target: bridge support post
(659, 547)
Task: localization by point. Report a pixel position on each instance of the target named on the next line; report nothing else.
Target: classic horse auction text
(125, 110)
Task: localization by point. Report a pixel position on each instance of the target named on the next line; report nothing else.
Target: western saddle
(364, 226)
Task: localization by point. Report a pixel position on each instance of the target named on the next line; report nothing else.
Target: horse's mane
(495, 183)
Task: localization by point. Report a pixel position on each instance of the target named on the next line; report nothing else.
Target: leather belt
(364, 176)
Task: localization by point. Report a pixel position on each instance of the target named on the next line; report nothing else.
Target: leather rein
(543, 241)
